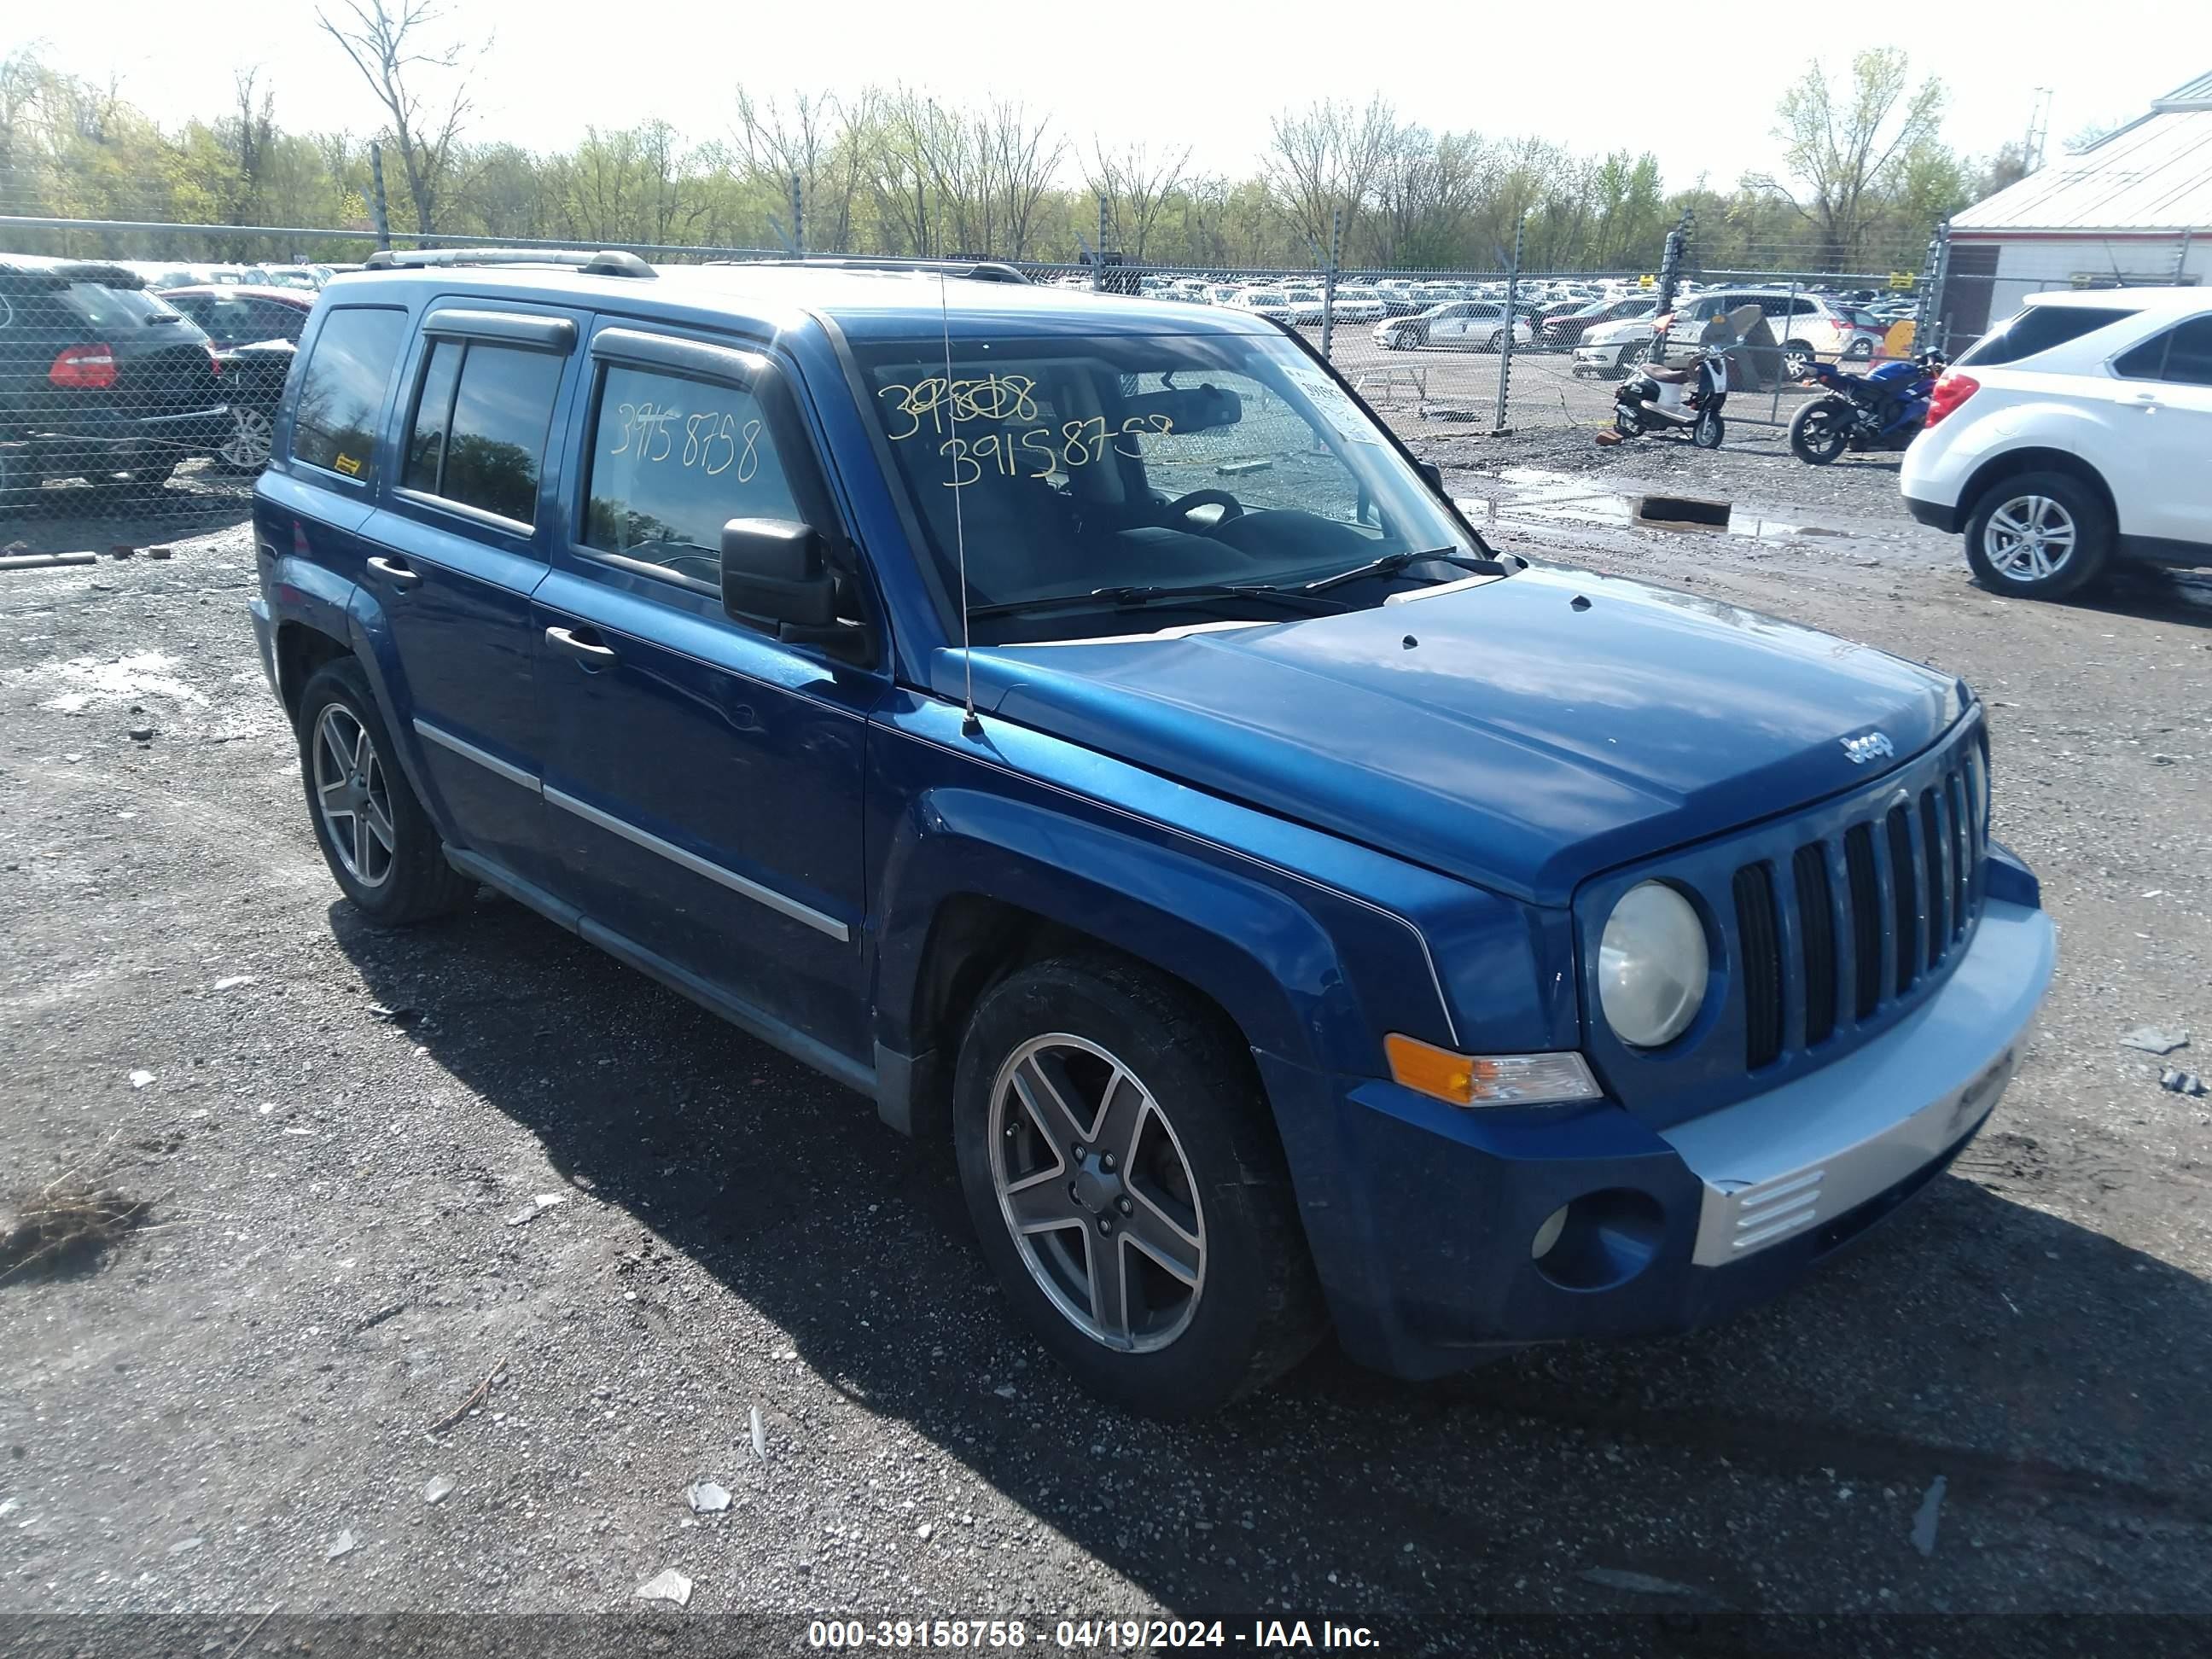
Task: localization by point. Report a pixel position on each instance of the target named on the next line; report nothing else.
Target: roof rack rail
(978, 270)
(606, 262)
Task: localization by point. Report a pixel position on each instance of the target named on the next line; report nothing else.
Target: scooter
(1880, 411)
(1659, 398)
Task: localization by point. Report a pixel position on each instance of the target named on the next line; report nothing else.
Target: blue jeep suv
(1079, 726)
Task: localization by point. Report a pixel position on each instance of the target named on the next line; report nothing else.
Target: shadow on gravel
(84, 519)
(2046, 1371)
(2174, 596)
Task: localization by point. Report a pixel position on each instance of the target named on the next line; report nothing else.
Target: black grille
(1904, 898)
(1912, 878)
(1936, 846)
(1759, 939)
(1816, 926)
(1865, 915)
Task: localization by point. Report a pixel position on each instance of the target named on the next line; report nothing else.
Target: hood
(1631, 328)
(1503, 733)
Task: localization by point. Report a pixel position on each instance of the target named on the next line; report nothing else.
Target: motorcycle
(1657, 398)
(1883, 410)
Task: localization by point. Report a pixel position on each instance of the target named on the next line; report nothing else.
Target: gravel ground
(349, 1140)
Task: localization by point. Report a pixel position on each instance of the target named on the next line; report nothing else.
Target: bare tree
(1846, 147)
(1323, 160)
(386, 42)
(815, 141)
(1134, 185)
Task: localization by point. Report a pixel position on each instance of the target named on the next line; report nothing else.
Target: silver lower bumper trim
(1781, 1161)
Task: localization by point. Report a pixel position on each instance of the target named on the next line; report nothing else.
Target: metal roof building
(2134, 208)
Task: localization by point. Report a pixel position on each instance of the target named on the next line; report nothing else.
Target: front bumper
(1421, 1216)
(1938, 514)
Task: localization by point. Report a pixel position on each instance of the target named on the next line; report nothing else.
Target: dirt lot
(1997, 1405)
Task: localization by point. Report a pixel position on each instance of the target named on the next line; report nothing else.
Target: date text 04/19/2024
(1091, 1635)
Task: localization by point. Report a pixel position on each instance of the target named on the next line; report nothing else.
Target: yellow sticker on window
(346, 465)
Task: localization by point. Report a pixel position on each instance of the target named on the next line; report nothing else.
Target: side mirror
(1431, 475)
(773, 573)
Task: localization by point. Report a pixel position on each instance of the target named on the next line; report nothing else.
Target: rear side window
(2182, 356)
(481, 418)
(673, 460)
(2037, 329)
(343, 394)
(97, 307)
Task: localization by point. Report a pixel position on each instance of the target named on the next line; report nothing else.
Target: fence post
(798, 219)
(1670, 273)
(1099, 266)
(1328, 281)
(1928, 319)
(1789, 323)
(1505, 336)
(382, 215)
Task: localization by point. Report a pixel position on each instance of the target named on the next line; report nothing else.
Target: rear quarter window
(342, 393)
(2037, 329)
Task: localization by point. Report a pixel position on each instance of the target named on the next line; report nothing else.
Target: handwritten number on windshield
(1040, 452)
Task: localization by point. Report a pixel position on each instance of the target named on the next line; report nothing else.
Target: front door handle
(394, 571)
(588, 652)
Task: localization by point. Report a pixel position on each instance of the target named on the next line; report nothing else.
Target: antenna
(2039, 128)
(970, 727)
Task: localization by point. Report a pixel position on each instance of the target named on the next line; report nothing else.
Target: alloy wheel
(2029, 538)
(1095, 1190)
(352, 795)
(248, 449)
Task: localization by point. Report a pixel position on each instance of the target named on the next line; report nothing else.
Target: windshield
(1076, 464)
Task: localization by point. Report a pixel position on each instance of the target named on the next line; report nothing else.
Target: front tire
(380, 843)
(2039, 535)
(1127, 1188)
(1821, 430)
(1710, 431)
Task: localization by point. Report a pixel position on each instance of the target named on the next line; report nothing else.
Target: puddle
(1564, 498)
(93, 683)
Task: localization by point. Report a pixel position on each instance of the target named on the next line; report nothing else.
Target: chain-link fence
(138, 377)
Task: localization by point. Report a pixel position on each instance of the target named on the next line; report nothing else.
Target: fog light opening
(1599, 1240)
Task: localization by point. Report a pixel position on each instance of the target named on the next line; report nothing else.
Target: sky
(1595, 75)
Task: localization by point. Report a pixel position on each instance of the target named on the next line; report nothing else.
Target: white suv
(1804, 326)
(2077, 433)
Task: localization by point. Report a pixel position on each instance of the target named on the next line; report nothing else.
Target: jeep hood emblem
(1874, 745)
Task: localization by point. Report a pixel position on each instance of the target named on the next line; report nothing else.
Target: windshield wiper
(1391, 563)
(1299, 600)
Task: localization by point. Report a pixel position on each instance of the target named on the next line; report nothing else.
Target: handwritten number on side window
(713, 440)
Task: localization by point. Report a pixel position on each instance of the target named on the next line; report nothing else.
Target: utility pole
(1328, 280)
(376, 207)
(798, 219)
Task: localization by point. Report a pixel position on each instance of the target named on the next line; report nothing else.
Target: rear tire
(1071, 1207)
(1798, 357)
(2038, 535)
(380, 843)
(1821, 431)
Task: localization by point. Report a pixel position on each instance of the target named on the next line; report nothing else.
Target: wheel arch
(301, 649)
(2032, 458)
(992, 884)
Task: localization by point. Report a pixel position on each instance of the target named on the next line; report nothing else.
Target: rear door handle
(394, 571)
(588, 652)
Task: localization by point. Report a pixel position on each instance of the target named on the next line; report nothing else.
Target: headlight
(1651, 965)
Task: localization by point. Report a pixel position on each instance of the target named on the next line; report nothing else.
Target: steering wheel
(1231, 507)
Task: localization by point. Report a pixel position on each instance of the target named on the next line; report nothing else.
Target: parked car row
(162, 274)
(106, 379)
